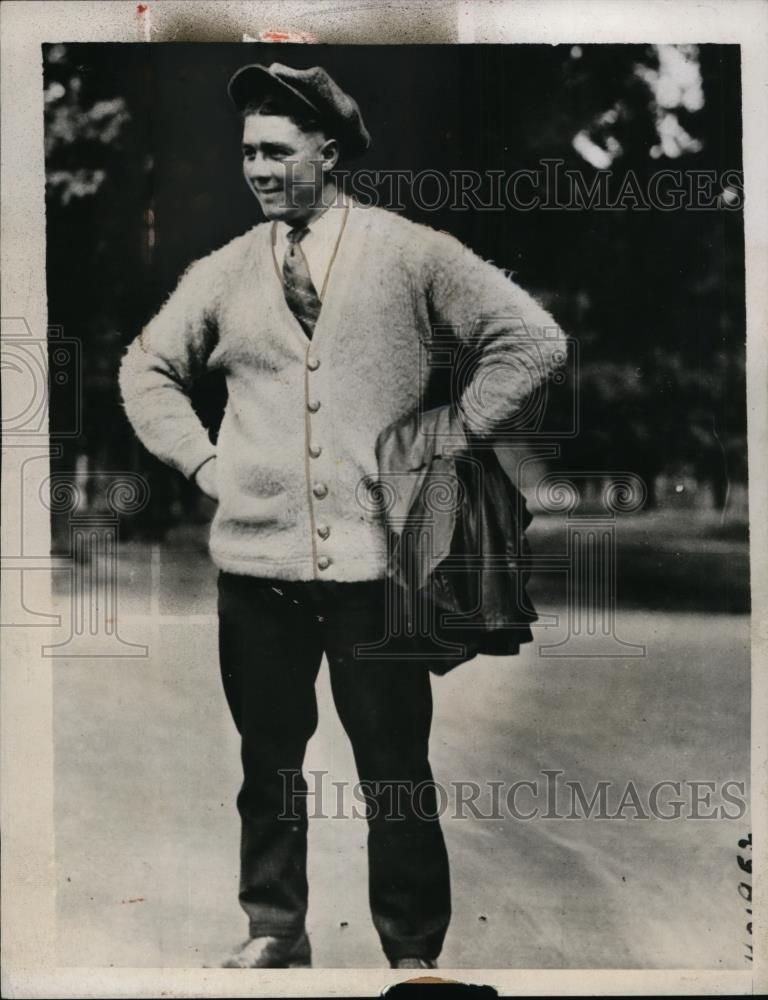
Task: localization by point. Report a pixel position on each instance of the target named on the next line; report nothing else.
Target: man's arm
(515, 343)
(160, 367)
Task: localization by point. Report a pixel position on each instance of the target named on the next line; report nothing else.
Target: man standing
(318, 318)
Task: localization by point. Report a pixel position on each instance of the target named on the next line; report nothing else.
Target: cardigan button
(313, 405)
(323, 562)
(313, 364)
(315, 450)
(323, 531)
(320, 490)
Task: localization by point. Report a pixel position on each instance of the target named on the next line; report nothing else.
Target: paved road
(147, 770)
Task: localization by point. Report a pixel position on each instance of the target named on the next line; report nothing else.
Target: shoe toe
(270, 953)
(413, 963)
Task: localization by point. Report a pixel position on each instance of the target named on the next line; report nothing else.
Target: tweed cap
(312, 87)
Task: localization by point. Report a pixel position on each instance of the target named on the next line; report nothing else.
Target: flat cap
(312, 87)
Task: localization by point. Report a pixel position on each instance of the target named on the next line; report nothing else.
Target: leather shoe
(413, 963)
(271, 953)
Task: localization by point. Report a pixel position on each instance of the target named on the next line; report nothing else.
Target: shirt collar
(327, 224)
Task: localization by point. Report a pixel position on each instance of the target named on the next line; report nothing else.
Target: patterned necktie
(300, 293)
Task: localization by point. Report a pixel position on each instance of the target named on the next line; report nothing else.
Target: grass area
(672, 560)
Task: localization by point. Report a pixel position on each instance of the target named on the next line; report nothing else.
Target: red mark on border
(276, 35)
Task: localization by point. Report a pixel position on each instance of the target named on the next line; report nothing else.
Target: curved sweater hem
(354, 570)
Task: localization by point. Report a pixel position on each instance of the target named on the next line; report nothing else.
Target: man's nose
(259, 167)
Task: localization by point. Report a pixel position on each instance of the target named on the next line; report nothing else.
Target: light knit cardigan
(284, 510)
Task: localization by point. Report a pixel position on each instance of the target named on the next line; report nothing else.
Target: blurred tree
(98, 189)
(80, 139)
(655, 298)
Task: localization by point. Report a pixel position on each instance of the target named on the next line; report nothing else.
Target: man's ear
(329, 151)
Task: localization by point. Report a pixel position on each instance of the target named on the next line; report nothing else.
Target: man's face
(282, 166)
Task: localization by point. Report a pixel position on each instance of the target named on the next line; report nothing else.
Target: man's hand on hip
(205, 477)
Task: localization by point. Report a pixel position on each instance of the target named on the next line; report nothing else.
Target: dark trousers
(272, 636)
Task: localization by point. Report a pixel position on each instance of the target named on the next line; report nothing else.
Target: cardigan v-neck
(349, 243)
(319, 246)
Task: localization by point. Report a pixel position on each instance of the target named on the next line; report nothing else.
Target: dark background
(144, 176)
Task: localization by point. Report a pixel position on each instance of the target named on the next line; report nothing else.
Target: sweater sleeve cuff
(196, 457)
